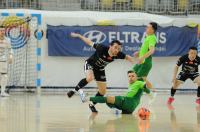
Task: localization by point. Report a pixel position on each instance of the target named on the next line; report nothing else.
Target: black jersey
(101, 57)
(188, 66)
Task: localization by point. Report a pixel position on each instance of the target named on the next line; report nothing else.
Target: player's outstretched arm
(136, 54)
(148, 85)
(84, 39)
(129, 58)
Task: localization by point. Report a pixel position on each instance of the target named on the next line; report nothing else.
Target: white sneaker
(4, 95)
(115, 111)
(83, 97)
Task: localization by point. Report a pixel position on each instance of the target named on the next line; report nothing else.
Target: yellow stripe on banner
(192, 24)
(105, 23)
(199, 31)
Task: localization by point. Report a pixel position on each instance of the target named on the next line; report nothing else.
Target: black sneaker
(70, 94)
(92, 108)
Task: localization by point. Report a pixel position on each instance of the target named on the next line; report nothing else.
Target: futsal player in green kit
(130, 101)
(144, 55)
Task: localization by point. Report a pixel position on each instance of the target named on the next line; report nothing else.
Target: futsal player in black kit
(95, 66)
(190, 63)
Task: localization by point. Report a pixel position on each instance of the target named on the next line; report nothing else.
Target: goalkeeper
(131, 100)
(6, 57)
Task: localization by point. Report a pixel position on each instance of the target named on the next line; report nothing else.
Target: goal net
(22, 72)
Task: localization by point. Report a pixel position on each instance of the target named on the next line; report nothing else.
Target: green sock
(98, 99)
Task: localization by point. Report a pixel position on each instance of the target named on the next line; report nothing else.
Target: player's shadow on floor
(178, 126)
(128, 123)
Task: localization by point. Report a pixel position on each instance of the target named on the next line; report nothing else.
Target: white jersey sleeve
(10, 50)
(5, 49)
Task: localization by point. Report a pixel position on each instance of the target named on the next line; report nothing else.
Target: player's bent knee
(89, 78)
(110, 99)
(198, 83)
(176, 84)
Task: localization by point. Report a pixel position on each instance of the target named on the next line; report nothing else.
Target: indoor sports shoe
(5, 95)
(87, 99)
(198, 101)
(83, 97)
(115, 111)
(170, 107)
(170, 100)
(70, 93)
(7, 90)
(92, 108)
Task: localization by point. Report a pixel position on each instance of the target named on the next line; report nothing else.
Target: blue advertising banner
(172, 41)
(198, 35)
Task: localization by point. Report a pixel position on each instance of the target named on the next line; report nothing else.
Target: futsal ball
(144, 113)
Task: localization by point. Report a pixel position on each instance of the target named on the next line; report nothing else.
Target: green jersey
(136, 89)
(149, 41)
(126, 103)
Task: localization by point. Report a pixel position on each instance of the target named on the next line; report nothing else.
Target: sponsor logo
(95, 36)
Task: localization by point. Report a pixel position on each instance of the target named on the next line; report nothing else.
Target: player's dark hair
(130, 71)
(154, 26)
(193, 48)
(115, 41)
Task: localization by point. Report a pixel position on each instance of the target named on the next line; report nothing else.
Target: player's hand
(140, 60)
(136, 54)
(130, 59)
(75, 35)
(10, 60)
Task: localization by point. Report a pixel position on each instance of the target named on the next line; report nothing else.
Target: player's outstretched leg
(197, 80)
(92, 108)
(70, 93)
(171, 99)
(96, 99)
(198, 96)
(3, 85)
(80, 85)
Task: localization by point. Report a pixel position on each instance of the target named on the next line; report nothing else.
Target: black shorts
(184, 76)
(99, 74)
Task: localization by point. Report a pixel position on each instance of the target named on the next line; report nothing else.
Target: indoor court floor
(29, 112)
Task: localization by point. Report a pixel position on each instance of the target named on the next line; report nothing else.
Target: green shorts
(126, 104)
(142, 70)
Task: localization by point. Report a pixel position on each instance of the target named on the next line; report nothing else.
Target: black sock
(198, 92)
(173, 91)
(97, 94)
(81, 84)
